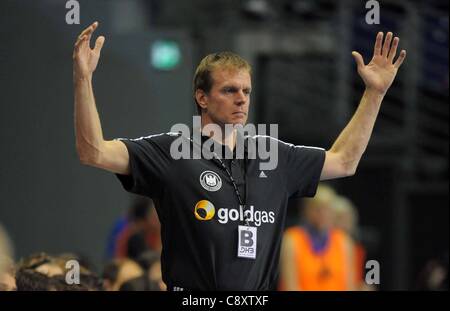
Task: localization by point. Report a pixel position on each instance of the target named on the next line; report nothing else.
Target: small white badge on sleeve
(247, 242)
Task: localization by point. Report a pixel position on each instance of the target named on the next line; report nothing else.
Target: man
(346, 219)
(222, 220)
(315, 255)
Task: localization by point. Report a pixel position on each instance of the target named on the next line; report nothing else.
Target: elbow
(86, 160)
(351, 173)
(348, 167)
(351, 170)
(87, 157)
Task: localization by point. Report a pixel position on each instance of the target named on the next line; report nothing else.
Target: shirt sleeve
(303, 167)
(149, 166)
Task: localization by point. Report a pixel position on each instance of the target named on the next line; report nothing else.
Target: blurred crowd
(325, 249)
(321, 250)
(134, 249)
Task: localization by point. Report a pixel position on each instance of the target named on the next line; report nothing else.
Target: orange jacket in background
(324, 270)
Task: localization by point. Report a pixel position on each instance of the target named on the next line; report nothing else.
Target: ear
(201, 98)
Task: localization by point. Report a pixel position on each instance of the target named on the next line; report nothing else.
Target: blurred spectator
(42, 263)
(317, 256)
(54, 270)
(7, 276)
(137, 233)
(7, 270)
(120, 271)
(151, 280)
(346, 219)
(141, 283)
(150, 261)
(32, 280)
(434, 276)
(86, 267)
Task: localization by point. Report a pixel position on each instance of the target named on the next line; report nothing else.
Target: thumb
(358, 59)
(99, 44)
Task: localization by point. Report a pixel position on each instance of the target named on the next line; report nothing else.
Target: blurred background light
(165, 55)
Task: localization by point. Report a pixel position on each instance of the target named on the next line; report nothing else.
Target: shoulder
(161, 138)
(265, 140)
(282, 145)
(159, 143)
(294, 231)
(340, 235)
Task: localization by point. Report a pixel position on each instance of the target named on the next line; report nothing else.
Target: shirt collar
(239, 138)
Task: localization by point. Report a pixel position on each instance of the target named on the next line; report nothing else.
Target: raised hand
(85, 59)
(379, 74)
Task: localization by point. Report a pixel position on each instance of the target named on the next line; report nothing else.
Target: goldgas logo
(204, 210)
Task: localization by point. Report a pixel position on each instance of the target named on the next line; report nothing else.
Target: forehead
(231, 76)
(319, 205)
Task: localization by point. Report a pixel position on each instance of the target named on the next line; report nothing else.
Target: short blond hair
(342, 206)
(324, 195)
(223, 60)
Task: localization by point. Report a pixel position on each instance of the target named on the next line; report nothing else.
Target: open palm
(379, 74)
(85, 59)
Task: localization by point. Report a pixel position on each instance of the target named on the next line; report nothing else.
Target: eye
(229, 90)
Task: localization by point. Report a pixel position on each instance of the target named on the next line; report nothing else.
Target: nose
(241, 98)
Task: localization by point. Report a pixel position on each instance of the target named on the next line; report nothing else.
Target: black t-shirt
(200, 245)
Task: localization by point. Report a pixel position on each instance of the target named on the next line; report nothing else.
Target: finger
(393, 50)
(79, 39)
(86, 31)
(358, 59)
(377, 48)
(80, 42)
(387, 44)
(400, 59)
(99, 44)
(90, 32)
(89, 29)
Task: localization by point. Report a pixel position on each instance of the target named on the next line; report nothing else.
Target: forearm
(88, 131)
(353, 140)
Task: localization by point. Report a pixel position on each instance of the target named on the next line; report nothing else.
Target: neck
(227, 138)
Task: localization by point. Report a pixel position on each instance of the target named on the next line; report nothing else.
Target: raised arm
(343, 157)
(92, 149)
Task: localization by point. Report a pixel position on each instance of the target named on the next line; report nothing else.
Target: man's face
(319, 215)
(229, 97)
(345, 221)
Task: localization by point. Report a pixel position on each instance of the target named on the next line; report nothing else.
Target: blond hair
(343, 206)
(324, 194)
(223, 60)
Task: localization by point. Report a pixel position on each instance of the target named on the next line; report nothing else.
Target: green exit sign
(165, 55)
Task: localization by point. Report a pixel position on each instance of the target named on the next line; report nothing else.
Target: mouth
(239, 114)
